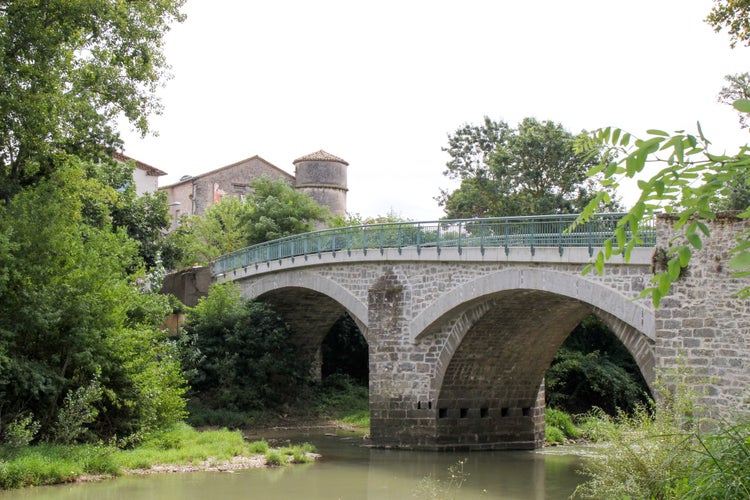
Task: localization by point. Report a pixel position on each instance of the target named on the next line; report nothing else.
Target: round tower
(322, 176)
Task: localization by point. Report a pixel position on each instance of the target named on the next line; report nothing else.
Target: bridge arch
(597, 295)
(313, 282)
(498, 339)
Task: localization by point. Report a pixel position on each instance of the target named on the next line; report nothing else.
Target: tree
(738, 88)
(734, 15)
(530, 170)
(72, 316)
(276, 210)
(69, 70)
(691, 184)
(594, 369)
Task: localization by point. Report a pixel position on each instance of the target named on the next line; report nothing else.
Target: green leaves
(692, 186)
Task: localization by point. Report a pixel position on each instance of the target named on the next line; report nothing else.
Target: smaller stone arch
(313, 282)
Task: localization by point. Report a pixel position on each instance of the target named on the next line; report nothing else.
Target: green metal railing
(503, 232)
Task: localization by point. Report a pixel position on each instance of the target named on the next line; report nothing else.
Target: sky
(382, 84)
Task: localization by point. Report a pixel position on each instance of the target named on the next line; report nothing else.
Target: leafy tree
(344, 351)
(71, 312)
(734, 15)
(69, 70)
(530, 170)
(249, 361)
(276, 210)
(738, 87)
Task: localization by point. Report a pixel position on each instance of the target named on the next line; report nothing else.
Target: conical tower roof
(320, 156)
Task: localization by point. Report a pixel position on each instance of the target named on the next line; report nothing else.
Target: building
(145, 177)
(321, 175)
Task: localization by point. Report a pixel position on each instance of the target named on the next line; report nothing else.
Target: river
(347, 470)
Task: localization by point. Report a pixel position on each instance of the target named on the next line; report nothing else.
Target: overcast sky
(381, 84)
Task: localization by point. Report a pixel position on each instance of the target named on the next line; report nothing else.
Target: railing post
(364, 240)
(437, 239)
(418, 238)
(460, 231)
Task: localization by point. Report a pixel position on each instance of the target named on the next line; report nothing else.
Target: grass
(180, 445)
(559, 427)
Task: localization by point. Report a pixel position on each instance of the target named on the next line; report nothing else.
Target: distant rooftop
(143, 166)
(320, 156)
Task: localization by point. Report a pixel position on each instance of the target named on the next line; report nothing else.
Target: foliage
(345, 351)
(689, 186)
(176, 445)
(662, 452)
(70, 309)
(530, 170)
(593, 368)
(738, 87)
(69, 71)
(556, 419)
(276, 210)
(274, 458)
(439, 488)
(20, 432)
(250, 362)
(77, 411)
(734, 15)
(273, 210)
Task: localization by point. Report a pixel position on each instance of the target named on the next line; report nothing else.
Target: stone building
(321, 175)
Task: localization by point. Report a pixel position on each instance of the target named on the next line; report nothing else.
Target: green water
(350, 471)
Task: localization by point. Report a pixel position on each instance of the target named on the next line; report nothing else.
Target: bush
(553, 435)
(250, 362)
(273, 457)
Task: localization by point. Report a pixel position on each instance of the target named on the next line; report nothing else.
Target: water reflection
(348, 471)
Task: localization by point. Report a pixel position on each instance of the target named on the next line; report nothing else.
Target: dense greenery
(533, 169)
(248, 361)
(594, 369)
(344, 351)
(81, 355)
(73, 316)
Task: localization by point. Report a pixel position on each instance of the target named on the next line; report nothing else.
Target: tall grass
(661, 451)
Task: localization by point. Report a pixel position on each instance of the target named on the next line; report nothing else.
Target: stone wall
(703, 325)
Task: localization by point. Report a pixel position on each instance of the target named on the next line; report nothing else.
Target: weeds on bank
(662, 451)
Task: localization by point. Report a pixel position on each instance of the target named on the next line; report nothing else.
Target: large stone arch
(497, 337)
(454, 313)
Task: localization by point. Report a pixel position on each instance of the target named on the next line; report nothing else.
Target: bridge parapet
(498, 236)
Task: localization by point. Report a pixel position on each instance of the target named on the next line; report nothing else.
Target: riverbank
(178, 449)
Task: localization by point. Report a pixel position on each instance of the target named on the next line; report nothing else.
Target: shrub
(273, 457)
(20, 432)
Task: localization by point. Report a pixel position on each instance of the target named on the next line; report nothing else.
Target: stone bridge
(460, 336)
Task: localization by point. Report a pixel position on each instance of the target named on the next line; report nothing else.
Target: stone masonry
(459, 343)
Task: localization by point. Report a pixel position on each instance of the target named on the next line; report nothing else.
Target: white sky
(382, 84)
